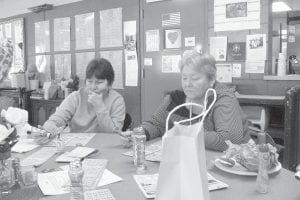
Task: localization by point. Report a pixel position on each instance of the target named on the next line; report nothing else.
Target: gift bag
(182, 171)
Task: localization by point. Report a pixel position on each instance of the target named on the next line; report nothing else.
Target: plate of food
(243, 159)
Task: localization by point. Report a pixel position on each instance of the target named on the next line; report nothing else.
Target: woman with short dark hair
(93, 108)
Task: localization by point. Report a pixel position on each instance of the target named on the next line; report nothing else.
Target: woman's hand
(96, 100)
(125, 137)
(42, 136)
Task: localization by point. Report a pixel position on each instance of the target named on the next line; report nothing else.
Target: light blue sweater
(81, 116)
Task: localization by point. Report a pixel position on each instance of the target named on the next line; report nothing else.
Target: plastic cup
(29, 176)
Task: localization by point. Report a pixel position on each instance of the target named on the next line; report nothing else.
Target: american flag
(171, 19)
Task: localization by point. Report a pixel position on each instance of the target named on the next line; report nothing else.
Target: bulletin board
(181, 25)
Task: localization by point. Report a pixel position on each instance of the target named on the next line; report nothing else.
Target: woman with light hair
(225, 121)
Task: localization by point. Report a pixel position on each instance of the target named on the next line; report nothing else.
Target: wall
(130, 12)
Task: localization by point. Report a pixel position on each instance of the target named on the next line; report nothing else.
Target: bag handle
(203, 114)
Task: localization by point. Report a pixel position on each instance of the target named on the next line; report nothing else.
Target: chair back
(127, 122)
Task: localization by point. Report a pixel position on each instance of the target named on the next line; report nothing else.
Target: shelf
(260, 99)
(291, 77)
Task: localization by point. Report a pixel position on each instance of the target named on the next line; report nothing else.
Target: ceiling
(10, 8)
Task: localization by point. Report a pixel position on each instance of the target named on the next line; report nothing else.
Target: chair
(127, 122)
(258, 115)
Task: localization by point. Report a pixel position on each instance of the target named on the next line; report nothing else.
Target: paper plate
(240, 170)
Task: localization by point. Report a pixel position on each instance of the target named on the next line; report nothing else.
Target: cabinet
(41, 109)
(292, 127)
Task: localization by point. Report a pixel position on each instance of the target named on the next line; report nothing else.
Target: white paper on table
(148, 183)
(255, 67)
(78, 152)
(256, 47)
(54, 183)
(103, 194)
(108, 178)
(74, 139)
(131, 68)
(111, 28)
(116, 60)
(93, 171)
(153, 152)
(232, 15)
(152, 40)
(24, 145)
(215, 184)
(236, 70)
(39, 157)
(224, 73)
(218, 48)
(85, 38)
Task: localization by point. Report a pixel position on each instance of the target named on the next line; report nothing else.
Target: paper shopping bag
(182, 172)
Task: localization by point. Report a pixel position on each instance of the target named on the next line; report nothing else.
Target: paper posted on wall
(147, 184)
(218, 48)
(224, 73)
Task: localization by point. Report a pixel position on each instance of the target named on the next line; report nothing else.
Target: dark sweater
(225, 121)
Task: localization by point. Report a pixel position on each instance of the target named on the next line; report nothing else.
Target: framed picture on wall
(173, 39)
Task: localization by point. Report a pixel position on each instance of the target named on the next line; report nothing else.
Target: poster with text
(256, 47)
(232, 15)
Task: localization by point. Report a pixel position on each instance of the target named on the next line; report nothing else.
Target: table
(282, 185)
